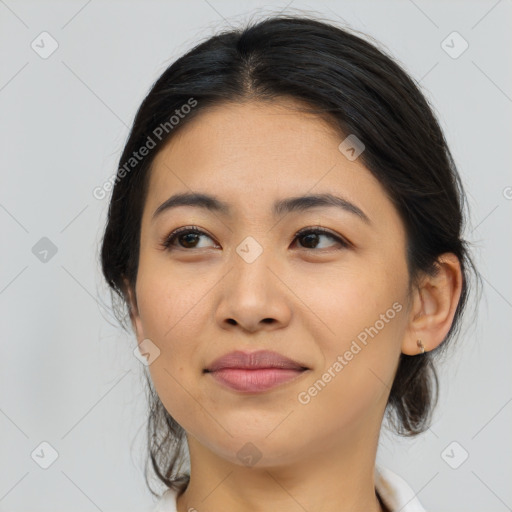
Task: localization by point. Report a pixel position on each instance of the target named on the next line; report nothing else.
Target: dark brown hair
(347, 80)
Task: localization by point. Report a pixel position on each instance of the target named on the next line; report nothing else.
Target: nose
(254, 295)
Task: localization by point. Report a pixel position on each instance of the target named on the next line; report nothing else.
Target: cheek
(172, 308)
(352, 299)
(170, 302)
(365, 317)
(357, 373)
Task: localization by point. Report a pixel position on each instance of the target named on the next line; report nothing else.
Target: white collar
(393, 490)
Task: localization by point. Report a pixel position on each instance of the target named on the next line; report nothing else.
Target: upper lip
(254, 360)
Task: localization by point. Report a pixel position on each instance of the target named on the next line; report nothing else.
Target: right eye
(186, 236)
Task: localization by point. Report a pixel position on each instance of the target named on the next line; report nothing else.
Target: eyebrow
(280, 207)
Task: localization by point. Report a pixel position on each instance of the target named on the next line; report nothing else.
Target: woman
(285, 229)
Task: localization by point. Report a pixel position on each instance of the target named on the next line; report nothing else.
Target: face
(332, 298)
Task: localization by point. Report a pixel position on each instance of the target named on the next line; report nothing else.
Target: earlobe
(435, 301)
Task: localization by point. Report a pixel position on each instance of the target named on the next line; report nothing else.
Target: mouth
(253, 381)
(254, 372)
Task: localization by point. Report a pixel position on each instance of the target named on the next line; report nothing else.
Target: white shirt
(392, 489)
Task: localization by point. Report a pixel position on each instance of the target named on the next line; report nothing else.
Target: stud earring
(420, 346)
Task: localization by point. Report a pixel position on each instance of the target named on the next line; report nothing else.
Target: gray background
(68, 375)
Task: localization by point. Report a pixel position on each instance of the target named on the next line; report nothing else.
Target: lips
(254, 372)
(254, 360)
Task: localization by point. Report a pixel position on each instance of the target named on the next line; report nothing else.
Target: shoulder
(395, 492)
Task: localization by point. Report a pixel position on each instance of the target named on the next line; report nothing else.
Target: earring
(420, 346)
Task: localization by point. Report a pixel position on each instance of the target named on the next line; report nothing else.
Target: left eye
(188, 236)
(313, 235)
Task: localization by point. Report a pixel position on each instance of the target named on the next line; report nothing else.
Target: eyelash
(169, 239)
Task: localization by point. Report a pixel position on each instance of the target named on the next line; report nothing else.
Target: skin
(308, 302)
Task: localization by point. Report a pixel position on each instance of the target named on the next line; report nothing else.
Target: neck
(336, 477)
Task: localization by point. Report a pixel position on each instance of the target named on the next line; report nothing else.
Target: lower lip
(254, 380)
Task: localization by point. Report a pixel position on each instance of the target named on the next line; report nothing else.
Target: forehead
(274, 129)
(251, 154)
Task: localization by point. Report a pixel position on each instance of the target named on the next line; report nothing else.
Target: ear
(134, 311)
(434, 303)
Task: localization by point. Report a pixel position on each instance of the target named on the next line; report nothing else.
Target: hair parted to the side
(362, 91)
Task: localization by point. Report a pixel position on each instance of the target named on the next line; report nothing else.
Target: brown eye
(311, 237)
(186, 237)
